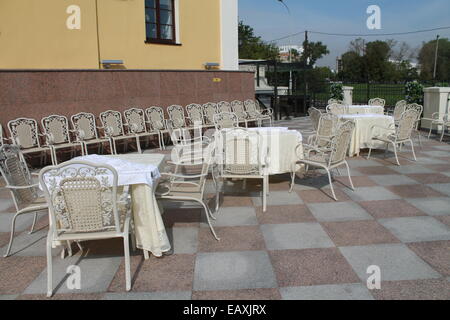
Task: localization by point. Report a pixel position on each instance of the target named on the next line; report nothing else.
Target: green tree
(252, 47)
(427, 56)
(353, 67)
(313, 51)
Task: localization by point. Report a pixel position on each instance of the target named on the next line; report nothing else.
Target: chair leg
(264, 193)
(331, 184)
(126, 248)
(370, 151)
(11, 237)
(349, 175)
(138, 144)
(34, 223)
(412, 150)
(292, 179)
(395, 153)
(429, 132)
(49, 265)
(442, 134)
(209, 221)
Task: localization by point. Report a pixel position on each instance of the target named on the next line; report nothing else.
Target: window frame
(158, 24)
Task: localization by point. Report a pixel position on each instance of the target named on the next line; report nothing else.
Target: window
(160, 21)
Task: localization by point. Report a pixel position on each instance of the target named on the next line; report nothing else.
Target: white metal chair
(445, 125)
(135, 122)
(314, 116)
(181, 187)
(326, 129)
(85, 129)
(176, 117)
(195, 115)
(18, 180)
(399, 108)
(240, 155)
(254, 111)
(336, 108)
(209, 110)
(437, 119)
(238, 109)
(56, 128)
(419, 109)
(156, 121)
(113, 127)
(397, 135)
(24, 132)
(225, 120)
(327, 158)
(84, 204)
(377, 102)
(2, 139)
(224, 106)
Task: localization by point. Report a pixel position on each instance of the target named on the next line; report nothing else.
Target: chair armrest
(173, 175)
(22, 187)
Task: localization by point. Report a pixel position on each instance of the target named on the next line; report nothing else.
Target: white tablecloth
(362, 135)
(141, 172)
(364, 109)
(281, 143)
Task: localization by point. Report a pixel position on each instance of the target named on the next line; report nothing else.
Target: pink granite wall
(36, 94)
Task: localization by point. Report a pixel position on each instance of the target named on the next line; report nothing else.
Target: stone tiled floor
(305, 246)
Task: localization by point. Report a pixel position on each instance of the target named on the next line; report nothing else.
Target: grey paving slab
(370, 194)
(443, 188)
(445, 148)
(429, 160)
(96, 275)
(233, 216)
(358, 163)
(414, 229)
(33, 244)
(437, 153)
(432, 206)
(295, 236)
(278, 198)
(392, 179)
(183, 240)
(173, 295)
(396, 262)
(233, 270)
(338, 211)
(410, 169)
(6, 205)
(351, 291)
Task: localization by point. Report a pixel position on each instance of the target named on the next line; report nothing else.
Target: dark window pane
(151, 31)
(150, 3)
(165, 17)
(150, 15)
(165, 4)
(166, 32)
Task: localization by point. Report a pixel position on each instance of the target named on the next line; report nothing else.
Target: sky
(271, 20)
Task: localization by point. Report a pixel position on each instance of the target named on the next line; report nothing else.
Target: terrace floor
(305, 246)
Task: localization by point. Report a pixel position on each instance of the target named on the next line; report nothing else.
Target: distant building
(284, 51)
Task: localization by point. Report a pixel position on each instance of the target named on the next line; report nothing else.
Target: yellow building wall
(33, 35)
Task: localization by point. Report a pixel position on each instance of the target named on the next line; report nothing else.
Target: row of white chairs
(136, 123)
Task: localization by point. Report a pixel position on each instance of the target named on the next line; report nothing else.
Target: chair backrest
(195, 113)
(81, 196)
(225, 120)
(314, 115)
(238, 108)
(155, 116)
(135, 119)
(341, 142)
(251, 108)
(224, 106)
(407, 123)
(328, 124)
(209, 110)
(336, 108)
(15, 171)
(400, 107)
(1, 135)
(57, 128)
(112, 122)
(331, 101)
(24, 132)
(240, 152)
(176, 115)
(377, 102)
(417, 107)
(84, 124)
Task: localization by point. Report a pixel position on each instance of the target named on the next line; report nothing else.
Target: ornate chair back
(224, 106)
(225, 120)
(341, 142)
(195, 113)
(135, 119)
(155, 116)
(84, 124)
(209, 110)
(24, 132)
(57, 128)
(112, 122)
(176, 115)
(377, 102)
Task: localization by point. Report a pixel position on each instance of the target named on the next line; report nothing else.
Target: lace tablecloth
(364, 109)
(142, 173)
